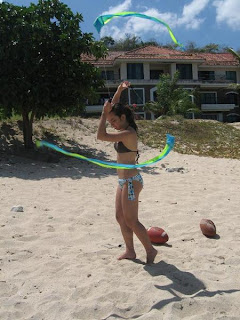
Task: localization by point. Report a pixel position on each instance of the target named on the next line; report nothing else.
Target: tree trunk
(27, 129)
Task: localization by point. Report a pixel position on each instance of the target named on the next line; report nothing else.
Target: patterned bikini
(121, 148)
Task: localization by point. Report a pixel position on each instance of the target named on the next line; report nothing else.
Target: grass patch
(199, 137)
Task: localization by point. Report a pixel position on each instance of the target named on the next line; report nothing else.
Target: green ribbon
(104, 19)
(106, 164)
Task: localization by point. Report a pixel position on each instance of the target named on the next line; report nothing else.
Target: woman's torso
(127, 154)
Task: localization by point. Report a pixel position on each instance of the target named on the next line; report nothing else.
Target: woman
(130, 181)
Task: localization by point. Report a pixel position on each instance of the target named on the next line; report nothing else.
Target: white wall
(123, 71)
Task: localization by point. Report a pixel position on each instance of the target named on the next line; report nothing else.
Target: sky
(198, 21)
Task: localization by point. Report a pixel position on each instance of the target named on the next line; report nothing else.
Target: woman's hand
(107, 107)
(124, 85)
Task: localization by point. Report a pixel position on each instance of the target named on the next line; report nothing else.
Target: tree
(192, 47)
(211, 48)
(171, 99)
(151, 42)
(236, 54)
(108, 41)
(130, 42)
(235, 86)
(41, 72)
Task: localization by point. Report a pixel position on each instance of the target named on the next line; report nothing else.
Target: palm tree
(234, 53)
(235, 86)
(171, 99)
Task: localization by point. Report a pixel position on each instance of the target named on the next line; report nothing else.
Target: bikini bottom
(129, 181)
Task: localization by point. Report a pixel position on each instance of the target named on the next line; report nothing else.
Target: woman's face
(118, 123)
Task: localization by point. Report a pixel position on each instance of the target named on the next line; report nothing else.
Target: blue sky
(199, 21)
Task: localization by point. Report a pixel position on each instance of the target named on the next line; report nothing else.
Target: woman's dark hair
(119, 109)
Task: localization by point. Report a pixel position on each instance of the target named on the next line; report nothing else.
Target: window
(135, 71)
(206, 75)
(107, 75)
(231, 75)
(155, 74)
(210, 116)
(232, 98)
(191, 96)
(185, 71)
(136, 96)
(208, 98)
(155, 95)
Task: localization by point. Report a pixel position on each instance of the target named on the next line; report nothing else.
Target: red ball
(208, 228)
(157, 235)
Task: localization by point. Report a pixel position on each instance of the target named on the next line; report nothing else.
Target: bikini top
(121, 148)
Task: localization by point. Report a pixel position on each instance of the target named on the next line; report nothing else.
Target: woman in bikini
(130, 182)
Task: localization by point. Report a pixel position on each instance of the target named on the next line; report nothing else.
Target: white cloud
(189, 19)
(111, 29)
(227, 11)
(191, 12)
(121, 7)
(140, 26)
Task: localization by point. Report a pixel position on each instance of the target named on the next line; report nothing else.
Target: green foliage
(130, 42)
(171, 99)
(191, 47)
(235, 86)
(41, 70)
(211, 48)
(236, 54)
(199, 137)
(108, 41)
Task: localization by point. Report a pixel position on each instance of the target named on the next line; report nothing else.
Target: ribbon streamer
(104, 19)
(106, 164)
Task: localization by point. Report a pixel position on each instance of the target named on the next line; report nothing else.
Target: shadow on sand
(183, 284)
(43, 163)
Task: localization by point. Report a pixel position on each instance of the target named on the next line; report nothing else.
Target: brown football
(157, 235)
(208, 228)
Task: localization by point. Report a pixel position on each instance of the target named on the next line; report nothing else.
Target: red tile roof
(158, 53)
(224, 59)
(112, 55)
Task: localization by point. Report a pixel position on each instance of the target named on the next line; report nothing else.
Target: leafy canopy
(41, 72)
(171, 99)
(40, 57)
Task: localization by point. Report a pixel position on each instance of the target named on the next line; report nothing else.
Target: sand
(58, 258)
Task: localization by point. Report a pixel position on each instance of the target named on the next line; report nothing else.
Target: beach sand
(58, 258)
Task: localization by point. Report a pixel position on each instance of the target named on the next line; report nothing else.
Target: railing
(217, 80)
(93, 109)
(200, 81)
(217, 107)
(135, 81)
(115, 82)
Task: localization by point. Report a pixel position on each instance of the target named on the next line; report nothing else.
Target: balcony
(216, 82)
(210, 83)
(93, 109)
(217, 107)
(116, 82)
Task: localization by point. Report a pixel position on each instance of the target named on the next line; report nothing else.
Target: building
(210, 73)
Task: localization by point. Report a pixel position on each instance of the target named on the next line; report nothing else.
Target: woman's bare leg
(130, 212)
(127, 233)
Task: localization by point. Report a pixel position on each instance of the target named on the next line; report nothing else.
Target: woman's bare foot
(151, 256)
(128, 255)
